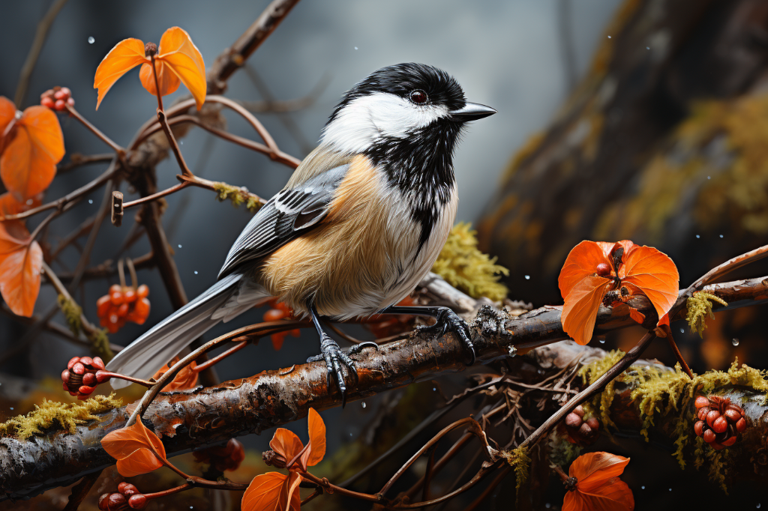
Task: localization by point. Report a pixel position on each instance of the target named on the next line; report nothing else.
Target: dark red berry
(572, 420)
(702, 413)
(78, 368)
(741, 425)
(701, 402)
(104, 501)
(603, 269)
(712, 416)
(699, 428)
(720, 425)
(730, 441)
(593, 423)
(585, 430)
(579, 410)
(116, 500)
(137, 501)
(709, 436)
(732, 415)
(89, 379)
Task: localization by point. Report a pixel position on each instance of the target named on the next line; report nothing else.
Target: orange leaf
(654, 274)
(168, 81)
(615, 496)
(581, 306)
(316, 451)
(636, 315)
(272, 491)
(184, 380)
(184, 59)
(10, 206)
(29, 160)
(582, 262)
(598, 486)
(596, 468)
(135, 448)
(126, 55)
(7, 114)
(286, 443)
(20, 263)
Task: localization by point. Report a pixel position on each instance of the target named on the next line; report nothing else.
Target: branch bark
(205, 416)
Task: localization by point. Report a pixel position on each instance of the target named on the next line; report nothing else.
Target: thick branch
(206, 416)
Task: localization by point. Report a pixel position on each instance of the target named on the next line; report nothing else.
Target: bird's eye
(419, 97)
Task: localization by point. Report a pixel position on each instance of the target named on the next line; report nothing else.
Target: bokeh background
(638, 119)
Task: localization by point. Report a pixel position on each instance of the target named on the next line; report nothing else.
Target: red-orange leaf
(10, 206)
(20, 263)
(654, 274)
(7, 114)
(598, 486)
(135, 448)
(272, 492)
(316, 451)
(581, 306)
(126, 55)
(582, 262)
(286, 443)
(29, 159)
(184, 380)
(178, 61)
(636, 315)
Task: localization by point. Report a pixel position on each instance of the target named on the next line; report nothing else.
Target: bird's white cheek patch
(365, 120)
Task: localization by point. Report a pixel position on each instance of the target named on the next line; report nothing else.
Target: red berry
(84, 389)
(741, 425)
(72, 362)
(142, 291)
(603, 269)
(585, 430)
(116, 500)
(701, 402)
(59, 105)
(579, 410)
(709, 436)
(712, 416)
(47, 102)
(702, 413)
(116, 295)
(720, 425)
(65, 376)
(593, 423)
(122, 311)
(104, 502)
(78, 368)
(130, 295)
(98, 363)
(699, 428)
(127, 489)
(736, 408)
(716, 446)
(137, 501)
(732, 415)
(142, 308)
(274, 315)
(730, 441)
(572, 420)
(89, 379)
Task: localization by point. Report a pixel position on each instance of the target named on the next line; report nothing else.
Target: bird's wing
(287, 215)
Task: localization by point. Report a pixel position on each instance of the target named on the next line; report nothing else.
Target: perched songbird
(359, 224)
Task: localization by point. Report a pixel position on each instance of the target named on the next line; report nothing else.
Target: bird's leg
(445, 319)
(333, 356)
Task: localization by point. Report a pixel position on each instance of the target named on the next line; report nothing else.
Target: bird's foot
(445, 320)
(334, 357)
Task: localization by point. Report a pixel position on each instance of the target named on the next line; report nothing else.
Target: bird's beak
(472, 112)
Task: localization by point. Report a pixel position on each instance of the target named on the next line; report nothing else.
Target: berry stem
(131, 379)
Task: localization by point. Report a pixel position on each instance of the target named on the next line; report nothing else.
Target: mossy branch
(699, 307)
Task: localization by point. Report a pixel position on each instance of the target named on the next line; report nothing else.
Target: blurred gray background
(519, 56)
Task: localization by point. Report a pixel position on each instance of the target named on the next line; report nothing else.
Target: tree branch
(205, 416)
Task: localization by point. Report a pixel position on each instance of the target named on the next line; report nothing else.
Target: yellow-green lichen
(699, 308)
(72, 314)
(237, 196)
(67, 415)
(561, 451)
(519, 460)
(463, 266)
(100, 345)
(659, 392)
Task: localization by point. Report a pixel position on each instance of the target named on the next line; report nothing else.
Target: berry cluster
(224, 458)
(57, 98)
(720, 421)
(280, 311)
(82, 375)
(581, 431)
(128, 497)
(123, 303)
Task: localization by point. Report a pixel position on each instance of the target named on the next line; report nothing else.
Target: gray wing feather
(286, 216)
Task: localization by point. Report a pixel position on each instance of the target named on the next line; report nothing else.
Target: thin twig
(43, 27)
(80, 491)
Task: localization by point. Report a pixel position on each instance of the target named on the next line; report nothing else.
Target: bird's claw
(334, 357)
(446, 319)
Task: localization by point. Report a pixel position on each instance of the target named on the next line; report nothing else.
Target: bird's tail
(147, 354)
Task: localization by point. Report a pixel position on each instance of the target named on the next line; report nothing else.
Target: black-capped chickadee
(359, 224)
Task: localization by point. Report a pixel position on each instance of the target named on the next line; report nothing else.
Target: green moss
(236, 195)
(519, 460)
(561, 451)
(100, 345)
(662, 393)
(67, 415)
(72, 313)
(463, 266)
(699, 308)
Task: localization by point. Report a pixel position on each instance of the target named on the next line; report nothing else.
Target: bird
(360, 222)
